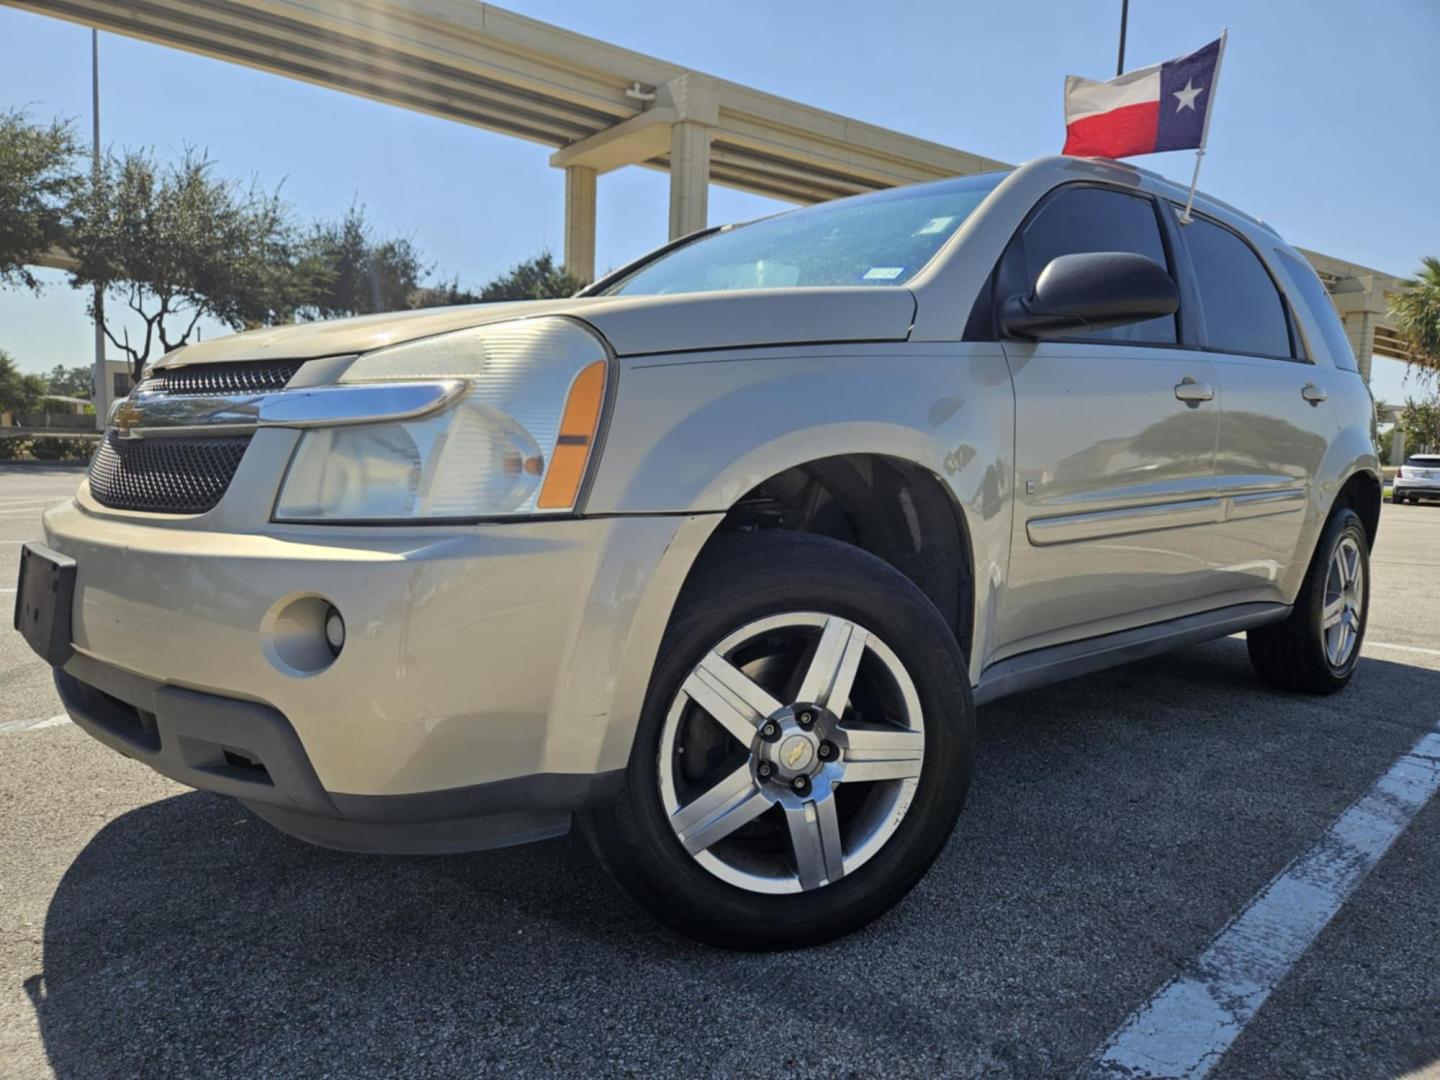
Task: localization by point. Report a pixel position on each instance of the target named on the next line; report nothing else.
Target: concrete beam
(481, 65)
(58, 259)
(630, 142)
(580, 222)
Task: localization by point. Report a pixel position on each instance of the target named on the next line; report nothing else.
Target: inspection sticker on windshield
(883, 273)
(934, 225)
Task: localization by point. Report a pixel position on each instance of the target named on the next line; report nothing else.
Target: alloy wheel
(791, 752)
(1344, 602)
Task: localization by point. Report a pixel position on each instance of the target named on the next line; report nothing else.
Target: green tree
(38, 180)
(70, 381)
(1420, 424)
(19, 393)
(1415, 310)
(534, 279)
(174, 244)
(343, 269)
(445, 294)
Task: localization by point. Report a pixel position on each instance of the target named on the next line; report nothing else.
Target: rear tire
(1316, 649)
(832, 831)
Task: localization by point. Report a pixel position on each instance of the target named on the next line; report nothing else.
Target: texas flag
(1164, 107)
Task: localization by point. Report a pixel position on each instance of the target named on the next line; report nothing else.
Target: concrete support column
(1360, 326)
(689, 177)
(1361, 303)
(1397, 446)
(580, 222)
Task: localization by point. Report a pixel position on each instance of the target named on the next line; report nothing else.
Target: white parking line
(13, 726)
(1188, 1025)
(1402, 648)
(28, 509)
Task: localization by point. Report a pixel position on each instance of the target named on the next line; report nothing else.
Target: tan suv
(718, 557)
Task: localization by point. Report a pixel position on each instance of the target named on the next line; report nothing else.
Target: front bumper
(251, 752)
(489, 670)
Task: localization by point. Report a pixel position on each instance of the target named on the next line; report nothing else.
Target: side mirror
(1092, 291)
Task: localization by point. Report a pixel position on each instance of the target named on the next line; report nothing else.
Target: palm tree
(1415, 310)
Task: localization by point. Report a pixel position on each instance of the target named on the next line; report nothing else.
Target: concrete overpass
(600, 106)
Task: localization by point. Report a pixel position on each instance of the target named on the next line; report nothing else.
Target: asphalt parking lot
(1116, 826)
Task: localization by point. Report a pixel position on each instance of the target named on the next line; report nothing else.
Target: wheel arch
(890, 506)
(1361, 492)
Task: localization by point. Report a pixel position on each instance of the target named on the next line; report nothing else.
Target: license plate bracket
(44, 598)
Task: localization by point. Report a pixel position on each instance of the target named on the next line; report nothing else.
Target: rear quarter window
(1306, 287)
(1244, 312)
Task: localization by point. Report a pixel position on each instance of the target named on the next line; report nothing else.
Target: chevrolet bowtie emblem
(127, 416)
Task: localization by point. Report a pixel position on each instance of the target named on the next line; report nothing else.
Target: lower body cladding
(486, 684)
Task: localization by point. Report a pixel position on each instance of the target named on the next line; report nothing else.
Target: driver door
(1115, 434)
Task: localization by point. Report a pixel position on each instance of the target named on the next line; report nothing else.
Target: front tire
(804, 750)
(1316, 649)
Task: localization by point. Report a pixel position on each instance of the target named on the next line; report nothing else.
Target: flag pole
(1124, 18)
(1205, 131)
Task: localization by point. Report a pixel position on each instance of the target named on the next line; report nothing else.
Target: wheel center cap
(796, 753)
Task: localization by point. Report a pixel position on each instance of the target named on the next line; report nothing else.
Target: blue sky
(1325, 123)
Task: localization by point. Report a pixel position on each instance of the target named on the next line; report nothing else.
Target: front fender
(694, 433)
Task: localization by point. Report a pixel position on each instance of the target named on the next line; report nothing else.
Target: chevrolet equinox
(717, 558)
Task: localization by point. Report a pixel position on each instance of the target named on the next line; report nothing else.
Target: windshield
(879, 239)
(1424, 461)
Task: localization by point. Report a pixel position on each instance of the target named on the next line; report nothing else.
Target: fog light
(334, 631)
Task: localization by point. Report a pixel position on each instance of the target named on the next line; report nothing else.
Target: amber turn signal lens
(577, 435)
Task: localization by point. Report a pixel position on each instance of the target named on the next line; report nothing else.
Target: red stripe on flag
(1118, 133)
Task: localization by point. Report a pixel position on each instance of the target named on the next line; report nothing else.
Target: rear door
(1115, 436)
(1276, 417)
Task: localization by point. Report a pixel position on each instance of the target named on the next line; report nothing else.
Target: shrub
(12, 448)
(62, 449)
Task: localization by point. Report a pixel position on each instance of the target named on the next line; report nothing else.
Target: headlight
(517, 442)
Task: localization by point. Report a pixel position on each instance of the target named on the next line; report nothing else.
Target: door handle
(1313, 393)
(1192, 393)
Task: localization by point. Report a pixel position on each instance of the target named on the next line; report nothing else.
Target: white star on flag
(1187, 96)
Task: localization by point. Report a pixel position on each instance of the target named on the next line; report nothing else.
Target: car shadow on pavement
(1115, 825)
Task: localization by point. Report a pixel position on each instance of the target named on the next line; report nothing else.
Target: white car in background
(1418, 478)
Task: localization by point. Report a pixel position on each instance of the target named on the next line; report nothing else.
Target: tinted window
(1316, 299)
(1084, 219)
(1424, 461)
(1243, 309)
(875, 240)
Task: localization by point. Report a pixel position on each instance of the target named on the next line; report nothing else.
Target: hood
(633, 325)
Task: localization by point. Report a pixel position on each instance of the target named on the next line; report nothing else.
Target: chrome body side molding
(1265, 503)
(1075, 658)
(1239, 501)
(1098, 524)
(160, 415)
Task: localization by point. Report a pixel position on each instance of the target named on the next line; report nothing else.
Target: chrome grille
(221, 378)
(165, 476)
